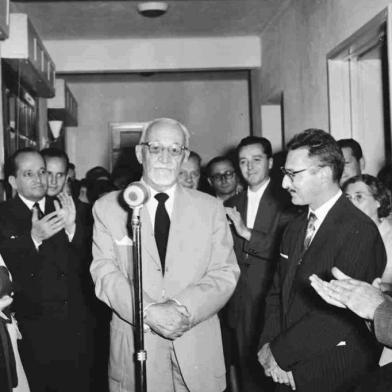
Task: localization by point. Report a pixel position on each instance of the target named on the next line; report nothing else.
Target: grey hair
(168, 121)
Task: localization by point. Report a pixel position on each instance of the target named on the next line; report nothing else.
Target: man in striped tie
(306, 344)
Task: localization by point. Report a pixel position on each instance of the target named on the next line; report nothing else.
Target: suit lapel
(265, 214)
(180, 226)
(296, 243)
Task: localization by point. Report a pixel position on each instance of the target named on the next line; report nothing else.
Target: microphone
(136, 194)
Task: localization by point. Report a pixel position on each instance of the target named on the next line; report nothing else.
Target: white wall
(155, 54)
(294, 49)
(213, 105)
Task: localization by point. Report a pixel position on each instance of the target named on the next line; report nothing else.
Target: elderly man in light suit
(186, 281)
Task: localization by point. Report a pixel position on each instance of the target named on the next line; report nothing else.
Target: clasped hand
(272, 369)
(168, 319)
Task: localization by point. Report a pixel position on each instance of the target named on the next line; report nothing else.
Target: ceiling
(120, 19)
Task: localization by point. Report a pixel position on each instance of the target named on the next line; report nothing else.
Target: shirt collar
(30, 203)
(323, 210)
(259, 193)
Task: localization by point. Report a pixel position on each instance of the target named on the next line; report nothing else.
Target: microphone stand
(140, 352)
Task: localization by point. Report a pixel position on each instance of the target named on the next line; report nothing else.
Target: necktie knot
(161, 197)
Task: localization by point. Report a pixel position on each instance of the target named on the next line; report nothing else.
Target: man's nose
(52, 180)
(285, 182)
(164, 155)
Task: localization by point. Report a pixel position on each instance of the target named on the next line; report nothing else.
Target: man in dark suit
(307, 343)
(39, 238)
(257, 221)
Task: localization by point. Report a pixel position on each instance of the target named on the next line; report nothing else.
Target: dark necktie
(37, 207)
(310, 229)
(161, 227)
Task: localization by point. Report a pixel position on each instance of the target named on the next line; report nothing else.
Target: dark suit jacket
(256, 257)
(325, 347)
(46, 281)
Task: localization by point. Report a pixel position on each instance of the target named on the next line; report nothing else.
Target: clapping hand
(238, 222)
(69, 210)
(360, 297)
(168, 319)
(48, 226)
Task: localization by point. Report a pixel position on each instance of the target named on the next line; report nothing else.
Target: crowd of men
(244, 290)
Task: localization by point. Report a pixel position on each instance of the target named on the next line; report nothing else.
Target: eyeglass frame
(227, 175)
(162, 147)
(292, 173)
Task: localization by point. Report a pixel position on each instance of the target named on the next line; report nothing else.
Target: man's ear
(12, 182)
(362, 164)
(270, 163)
(209, 181)
(138, 152)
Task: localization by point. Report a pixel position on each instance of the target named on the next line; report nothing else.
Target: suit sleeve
(361, 254)
(273, 305)
(383, 322)
(208, 295)
(111, 284)
(264, 243)
(15, 248)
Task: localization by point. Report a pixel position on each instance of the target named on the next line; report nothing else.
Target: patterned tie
(37, 207)
(161, 227)
(310, 229)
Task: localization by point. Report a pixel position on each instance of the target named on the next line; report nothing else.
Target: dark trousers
(56, 356)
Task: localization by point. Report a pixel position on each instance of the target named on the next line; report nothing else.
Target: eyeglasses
(292, 173)
(358, 197)
(192, 175)
(156, 148)
(227, 175)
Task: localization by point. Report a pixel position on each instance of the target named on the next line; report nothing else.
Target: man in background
(189, 175)
(222, 177)
(354, 162)
(258, 220)
(189, 272)
(57, 162)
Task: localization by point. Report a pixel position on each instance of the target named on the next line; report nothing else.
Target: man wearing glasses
(222, 177)
(189, 272)
(306, 344)
(257, 221)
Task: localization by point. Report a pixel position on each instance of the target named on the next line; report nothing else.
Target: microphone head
(136, 194)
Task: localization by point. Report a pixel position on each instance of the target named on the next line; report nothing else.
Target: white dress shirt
(323, 210)
(253, 204)
(152, 203)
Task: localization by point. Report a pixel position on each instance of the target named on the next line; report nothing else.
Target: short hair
(168, 121)
(353, 145)
(216, 160)
(196, 156)
(71, 166)
(377, 189)
(97, 172)
(11, 166)
(53, 152)
(249, 140)
(322, 145)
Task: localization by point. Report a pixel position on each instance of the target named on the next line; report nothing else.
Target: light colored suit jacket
(201, 273)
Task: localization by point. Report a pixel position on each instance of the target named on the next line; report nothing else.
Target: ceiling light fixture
(152, 9)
